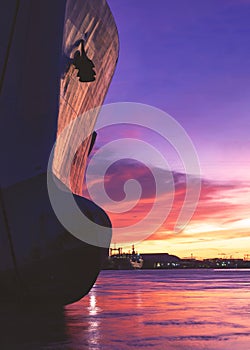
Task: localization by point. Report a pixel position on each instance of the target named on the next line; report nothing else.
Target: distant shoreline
(171, 262)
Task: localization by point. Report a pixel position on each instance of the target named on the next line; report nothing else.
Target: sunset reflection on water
(163, 309)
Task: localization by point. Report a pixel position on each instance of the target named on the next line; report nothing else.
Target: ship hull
(49, 264)
(41, 261)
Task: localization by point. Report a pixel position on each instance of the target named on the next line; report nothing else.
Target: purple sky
(191, 59)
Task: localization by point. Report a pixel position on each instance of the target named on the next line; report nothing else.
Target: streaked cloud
(222, 213)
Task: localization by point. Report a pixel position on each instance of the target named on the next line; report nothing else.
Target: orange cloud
(221, 214)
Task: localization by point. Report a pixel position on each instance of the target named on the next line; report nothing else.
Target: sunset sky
(192, 60)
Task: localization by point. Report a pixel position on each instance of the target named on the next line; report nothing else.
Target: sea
(143, 309)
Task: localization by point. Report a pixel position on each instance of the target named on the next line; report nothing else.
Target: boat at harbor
(119, 260)
(56, 63)
(136, 259)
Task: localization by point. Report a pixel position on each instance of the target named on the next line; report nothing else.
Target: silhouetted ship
(123, 261)
(57, 59)
(136, 259)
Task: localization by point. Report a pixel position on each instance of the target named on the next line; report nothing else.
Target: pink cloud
(217, 202)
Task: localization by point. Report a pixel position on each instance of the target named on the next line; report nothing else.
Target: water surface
(149, 309)
(164, 309)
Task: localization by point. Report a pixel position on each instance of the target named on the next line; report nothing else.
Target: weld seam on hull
(13, 26)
